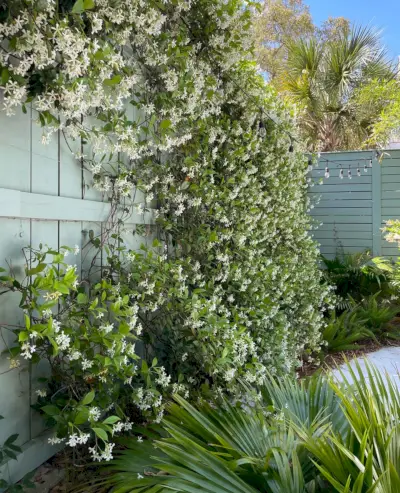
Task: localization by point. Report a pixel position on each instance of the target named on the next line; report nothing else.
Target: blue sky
(384, 14)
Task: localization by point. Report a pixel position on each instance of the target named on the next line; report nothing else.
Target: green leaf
(51, 410)
(88, 398)
(114, 81)
(5, 75)
(11, 439)
(36, 270)
(165, 124)
(111, 420)
(82, 298)
(101, 434)
(154, 362)
(79, 7)
(82, 416)
(10, 454)
(23, 336)
(88, 4)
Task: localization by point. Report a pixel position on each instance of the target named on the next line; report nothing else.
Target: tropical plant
(368, 458)
(322, 77)
(376, 315)
(342, 332)
(228, 449)
(329, 434)
(356, 275)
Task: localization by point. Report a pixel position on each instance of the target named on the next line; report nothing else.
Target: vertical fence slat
(376, 209)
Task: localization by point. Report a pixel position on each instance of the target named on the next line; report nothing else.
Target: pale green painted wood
(391, 212)
(344, 235)
(335, 180)
(346, 227)
(328, 202)
(391, 170)
(344, 187)
(353, 211)
(376, 208)
(342, 211)
(328, 219)
(44, 197)
(391, 179)
(361, 244)
(332, 251)
(344, 195)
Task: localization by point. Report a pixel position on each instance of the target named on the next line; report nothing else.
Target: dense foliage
(382, 98)
(313, 436)
(169, 108)
(338, 75)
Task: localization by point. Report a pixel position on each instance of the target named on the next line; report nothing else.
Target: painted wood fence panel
(44, 198)
(351, 212)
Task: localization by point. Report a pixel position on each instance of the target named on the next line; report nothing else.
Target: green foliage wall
(232, 283)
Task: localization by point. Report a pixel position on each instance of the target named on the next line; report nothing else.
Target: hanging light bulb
(365, 168)
(262, 131)
(370, 163)
(349, 174)
(291, 148)
(358, 172)
(327, 173)
(310, 167)
(341, 174)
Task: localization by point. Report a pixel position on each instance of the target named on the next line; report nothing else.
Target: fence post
(376, 209)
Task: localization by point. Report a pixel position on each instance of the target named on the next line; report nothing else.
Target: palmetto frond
(321, 77)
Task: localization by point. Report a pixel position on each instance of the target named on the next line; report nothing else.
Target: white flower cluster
(242, 273)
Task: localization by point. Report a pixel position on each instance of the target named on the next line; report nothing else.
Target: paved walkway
(385, 360)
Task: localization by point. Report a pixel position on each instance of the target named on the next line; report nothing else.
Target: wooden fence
(353, 211)
(45, 197)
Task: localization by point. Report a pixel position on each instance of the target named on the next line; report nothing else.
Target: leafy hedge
(231, 287)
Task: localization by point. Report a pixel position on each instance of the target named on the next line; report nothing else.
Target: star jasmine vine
(165, 100)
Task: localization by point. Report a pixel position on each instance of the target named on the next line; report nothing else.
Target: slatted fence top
(352, 211)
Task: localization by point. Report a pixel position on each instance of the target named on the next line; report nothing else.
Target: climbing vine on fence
(166, 100)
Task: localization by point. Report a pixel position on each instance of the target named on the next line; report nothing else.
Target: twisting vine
(167, 101)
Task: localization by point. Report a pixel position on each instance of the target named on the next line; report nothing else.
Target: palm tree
(314, 436)
(321, 78)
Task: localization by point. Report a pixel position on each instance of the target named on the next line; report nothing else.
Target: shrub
(377, 315)
(319, 437)
(343, 331)
(355, 275)
(172, 116)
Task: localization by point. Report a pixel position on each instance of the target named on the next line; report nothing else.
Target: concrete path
(385, 360)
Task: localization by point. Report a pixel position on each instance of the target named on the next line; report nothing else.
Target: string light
(262, 131)
(368, 163)
(310, 166)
